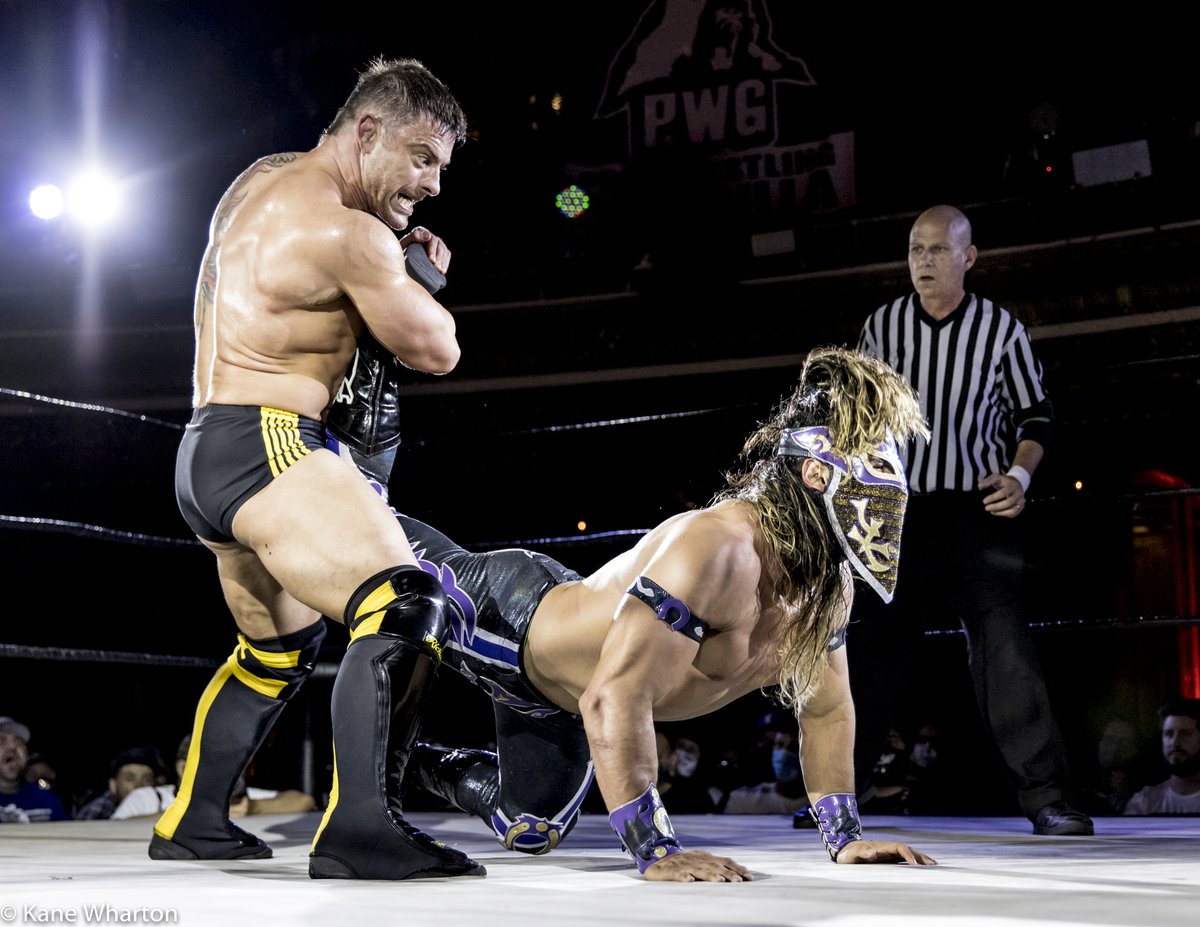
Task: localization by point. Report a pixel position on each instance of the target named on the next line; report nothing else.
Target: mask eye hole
(881, 465)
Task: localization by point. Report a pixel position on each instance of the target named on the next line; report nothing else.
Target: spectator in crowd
(40, 770)
(251, 799)
(727, 775)
(887, 789)
(1117, 773)
(932, 787)
(22, 802)
(912, 776)
(1180, 792)
(244, 800)
(684, 786)
(131, 769)
(784, 792)
(757, 764)
(43, 772)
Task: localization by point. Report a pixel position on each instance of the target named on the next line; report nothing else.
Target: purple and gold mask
(865, 499)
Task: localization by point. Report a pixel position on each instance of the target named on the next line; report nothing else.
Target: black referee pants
(956, 558)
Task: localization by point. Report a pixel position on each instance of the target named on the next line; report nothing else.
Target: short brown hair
(402, 89)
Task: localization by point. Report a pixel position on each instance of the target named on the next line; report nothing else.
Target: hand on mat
(696, 866)
(882, 851)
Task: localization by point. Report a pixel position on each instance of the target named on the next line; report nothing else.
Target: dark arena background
(643, 254)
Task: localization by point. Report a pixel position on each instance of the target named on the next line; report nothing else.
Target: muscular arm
(367, 261)
(827, 758)
(827, 732)
(641, 662)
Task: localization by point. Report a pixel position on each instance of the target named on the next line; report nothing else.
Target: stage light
(572, 202)
(93, 199)
(46, 201)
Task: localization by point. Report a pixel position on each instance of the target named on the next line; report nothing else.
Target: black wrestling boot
(232, 843)
(224, 740)
(467, 779)
(237, 710)
(364, 834)
(196, 825)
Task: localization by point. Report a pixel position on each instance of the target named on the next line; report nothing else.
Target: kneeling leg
(529, 793)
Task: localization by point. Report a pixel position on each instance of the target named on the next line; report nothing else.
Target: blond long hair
(859, 399)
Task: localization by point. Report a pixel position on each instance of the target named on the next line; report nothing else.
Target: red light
(1049, 168)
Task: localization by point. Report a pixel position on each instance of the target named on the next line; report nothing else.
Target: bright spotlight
(93, 199)
(46, 201)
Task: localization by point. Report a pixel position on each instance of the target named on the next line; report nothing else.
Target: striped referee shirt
(978, 381)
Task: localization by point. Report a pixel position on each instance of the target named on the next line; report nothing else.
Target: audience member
(912, 776)
(727, 775)
(1180, 792)
(757, 763)
(135, 768)
(932, 787)
(22, 802)
(43, 772)
(784, 793)
(887, 787)
(1116, 775)
(684, 787)
(245, 799)
(249, 799)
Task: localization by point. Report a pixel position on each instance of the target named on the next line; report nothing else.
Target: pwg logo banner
(711, 76)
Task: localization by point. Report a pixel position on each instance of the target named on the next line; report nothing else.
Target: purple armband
(837, 819)
(644, 829)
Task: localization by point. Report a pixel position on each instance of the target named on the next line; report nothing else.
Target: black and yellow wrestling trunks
(228, 453)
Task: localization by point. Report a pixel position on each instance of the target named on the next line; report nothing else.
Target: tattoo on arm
(233, 198)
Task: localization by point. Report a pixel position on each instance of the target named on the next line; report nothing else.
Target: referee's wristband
(1021, 475)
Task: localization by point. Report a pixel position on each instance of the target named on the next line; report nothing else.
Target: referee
(981, 388)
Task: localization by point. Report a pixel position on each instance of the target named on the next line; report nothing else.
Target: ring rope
(27, 652)
(129, 537)
(88, 407)
(81, 529)
(323, 670)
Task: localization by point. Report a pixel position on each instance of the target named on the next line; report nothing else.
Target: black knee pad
(403, 602)
(529, 833)
(277, 666)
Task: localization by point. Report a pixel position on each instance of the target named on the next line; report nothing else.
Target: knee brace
(528, 833)
(535, 834)
(403, 602)
(276, 667)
